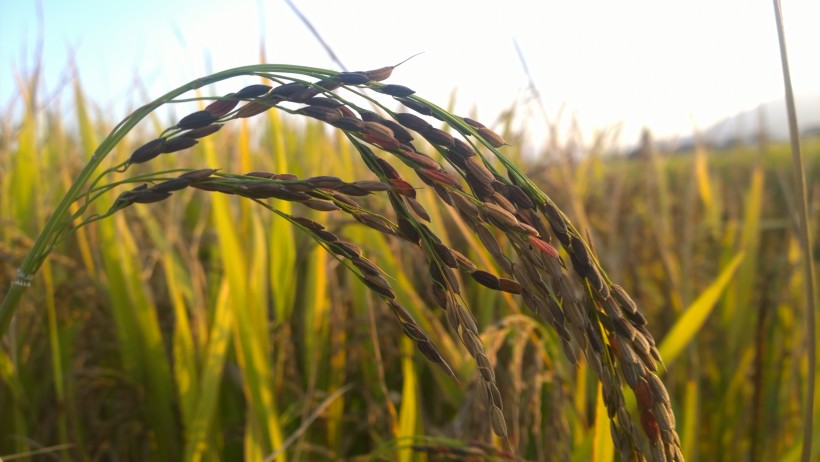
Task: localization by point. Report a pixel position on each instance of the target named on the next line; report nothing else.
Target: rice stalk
(516, 222)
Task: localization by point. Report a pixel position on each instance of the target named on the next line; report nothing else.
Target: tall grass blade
(739, 295)
(56, 356)
(408, 412)
(804, 238)
(689, 432)
(140, 342)
(263, 433)
(689, 324)
(202, 420)
(603, 449)
(706, 191)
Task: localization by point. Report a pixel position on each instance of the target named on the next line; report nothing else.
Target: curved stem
(44, 243)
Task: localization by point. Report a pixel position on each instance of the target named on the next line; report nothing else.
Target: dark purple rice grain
(272, 192)
(417, 208)
(413, 331)
(439, 295)
(228, 189)
(345, 199)
(328, 84)
(597, 282)
(370, 116)
(149, 197)
(223, 106)
(473, 123)
(482, 190)
(352, 190)
(425, 230)
(556, 220)
(623, 327)
(294, 92)
(505, 203)
(413, 122)
(373, 222)
(172, 185)
(579, 250)
(347, 112)
(384, 291)
(345, 249)
(320, 205)
(350, 124)
(372, 185)
(286, 195)
(528, 217)
(519, 197)
(378, 129)
(486, 279)
(452, 280)
(147, 151)
(325, 181)
(439, 137)
(352, 78)
(399, 132)
(421, 159)
(399, 91)
(637, 318)
(476, 167)
(324, 114)
(437, 275)
(366, 266)
(308, 223)
(290, 91)
(252, 91)
(197, 119)
(407, 230)
(595, 340)
(462, 148)
(326, 236)
(324, 102)
(454, 158)
(444, 195)
(387, 170)
(199, 175)
(446, 256)
(202, 131)
(416, 106)
(178, 144)
(509, 286)
(494, 139)
(624, 301)
(429, 351)
(252, 109)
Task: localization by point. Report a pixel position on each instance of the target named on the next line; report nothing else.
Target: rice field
(296, 314)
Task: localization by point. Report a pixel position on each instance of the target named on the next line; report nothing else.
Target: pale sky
(665, 65)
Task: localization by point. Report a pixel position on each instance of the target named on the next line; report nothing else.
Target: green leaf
(603, 449)
(695, 315)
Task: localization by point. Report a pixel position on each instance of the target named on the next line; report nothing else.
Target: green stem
(804, 237)
(44, 243)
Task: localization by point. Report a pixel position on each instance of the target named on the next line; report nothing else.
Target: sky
(604, 65)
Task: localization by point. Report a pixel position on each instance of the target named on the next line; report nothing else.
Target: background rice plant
(204, 328)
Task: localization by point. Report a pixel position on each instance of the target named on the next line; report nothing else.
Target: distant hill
(745, 127)
(770, 117)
